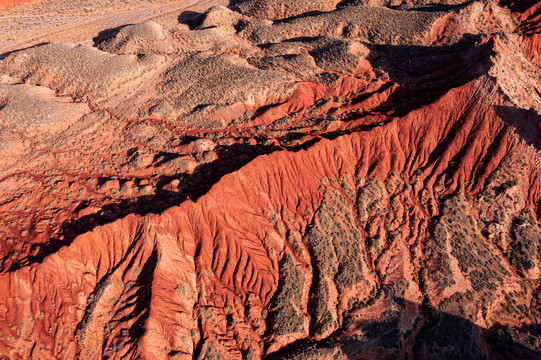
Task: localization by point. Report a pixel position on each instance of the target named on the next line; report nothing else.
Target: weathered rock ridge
(291, 179)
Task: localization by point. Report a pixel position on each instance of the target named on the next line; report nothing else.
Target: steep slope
(324, 186)
(529, 15)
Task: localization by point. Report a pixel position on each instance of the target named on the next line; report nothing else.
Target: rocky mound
(306, 181)
(144, 38)
(279, 9)
(79, 70)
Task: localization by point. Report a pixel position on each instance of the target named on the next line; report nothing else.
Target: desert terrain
(82, 21)
(270, 179)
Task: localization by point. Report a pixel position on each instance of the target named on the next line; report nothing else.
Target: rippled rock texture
(282, 180)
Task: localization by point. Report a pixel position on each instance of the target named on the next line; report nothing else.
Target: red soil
(4, 4)
(210, 193)
(529, 14)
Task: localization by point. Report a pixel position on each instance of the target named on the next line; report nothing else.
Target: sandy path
(79, 21)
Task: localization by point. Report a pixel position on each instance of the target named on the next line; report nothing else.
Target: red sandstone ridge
(328, 181)
(528, 13)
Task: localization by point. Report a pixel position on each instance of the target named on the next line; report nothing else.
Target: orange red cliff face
(341, 182)
(529, 15)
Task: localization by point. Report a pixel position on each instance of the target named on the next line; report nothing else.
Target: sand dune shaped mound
(78, 70)
(26, 107)
(145, 38)
(220, 16)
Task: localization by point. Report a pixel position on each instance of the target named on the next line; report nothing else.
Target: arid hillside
(85, 21)
(274, 180)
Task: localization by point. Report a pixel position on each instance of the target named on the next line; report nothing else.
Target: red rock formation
(5, 4)
(317, 187)
(528, 13)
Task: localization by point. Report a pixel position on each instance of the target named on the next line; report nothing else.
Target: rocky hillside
(277, 179)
